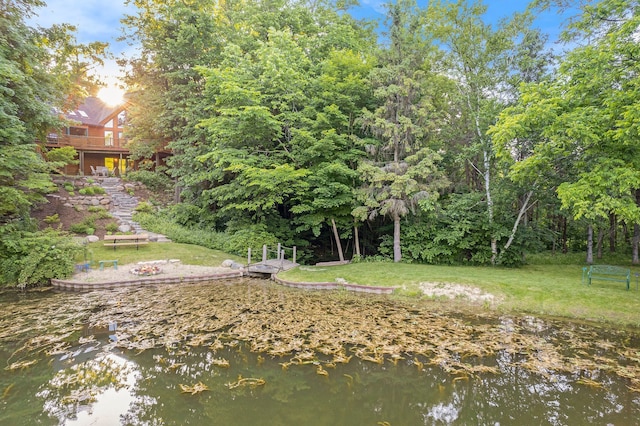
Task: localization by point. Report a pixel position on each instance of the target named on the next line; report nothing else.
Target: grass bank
(542, 289)
(187, 253)
(548, 286)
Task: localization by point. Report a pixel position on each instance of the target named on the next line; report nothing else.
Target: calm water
(81, 366)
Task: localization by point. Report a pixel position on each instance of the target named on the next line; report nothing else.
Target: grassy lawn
(187, 253)
(554, 290)
(545, 287)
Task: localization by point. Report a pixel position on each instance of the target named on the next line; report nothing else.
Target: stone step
(125, 205)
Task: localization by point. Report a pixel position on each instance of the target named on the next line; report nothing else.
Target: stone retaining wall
(83, 202)
(155, 279)
(78, 201)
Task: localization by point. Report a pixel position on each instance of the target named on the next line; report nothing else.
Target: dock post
(249, 256)
(279, 253)
(264, 253)
(294, 254)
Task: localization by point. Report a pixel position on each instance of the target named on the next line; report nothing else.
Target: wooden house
(98, 133)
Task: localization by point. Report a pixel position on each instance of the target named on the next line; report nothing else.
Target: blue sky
(99, 20)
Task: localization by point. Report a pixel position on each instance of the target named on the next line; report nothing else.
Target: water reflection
(121, 358)
(93, 391)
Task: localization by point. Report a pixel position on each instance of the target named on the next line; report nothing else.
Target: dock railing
(280, 253)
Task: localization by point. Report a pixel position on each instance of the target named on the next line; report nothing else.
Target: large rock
(236, 265)
(92, 239)
(124, 228)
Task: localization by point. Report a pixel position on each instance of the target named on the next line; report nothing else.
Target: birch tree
(478, 58)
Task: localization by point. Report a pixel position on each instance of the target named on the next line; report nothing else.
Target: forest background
(447, 141)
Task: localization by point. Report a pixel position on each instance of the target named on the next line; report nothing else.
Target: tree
(165, 87)
(587, 118)
(281, 108)
(408, 174)
(33, 81)
(479, 60)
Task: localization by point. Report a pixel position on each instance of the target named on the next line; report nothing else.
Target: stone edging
(156, 279)
(159, 279)
(334, 286)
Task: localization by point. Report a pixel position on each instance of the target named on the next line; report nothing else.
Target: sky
(99, 20)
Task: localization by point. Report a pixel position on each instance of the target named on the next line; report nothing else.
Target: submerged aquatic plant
(298, 327)
(195, 389)
(246, 381)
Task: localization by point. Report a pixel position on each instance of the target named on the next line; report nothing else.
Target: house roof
(93, 112)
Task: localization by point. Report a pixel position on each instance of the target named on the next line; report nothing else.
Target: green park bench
(606, 273)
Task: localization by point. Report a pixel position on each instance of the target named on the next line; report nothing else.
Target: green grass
(549, 289)
(187, 253)
(545, 287)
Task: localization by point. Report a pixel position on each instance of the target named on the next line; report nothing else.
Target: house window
(122, 118)
(108, 138)
(77, 131)
(109, 123)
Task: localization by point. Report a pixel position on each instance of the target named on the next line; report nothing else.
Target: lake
(251, 352)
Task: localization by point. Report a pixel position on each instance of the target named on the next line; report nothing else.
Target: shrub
(92, 190)
(156, 181)
(87, 226)
(34, 258)
(253, 237)
(79, 228)
(145, 207)
(99, 212)
(59, 157)
(178, 233)
(68, 186)
(111, 227)
(52, 219)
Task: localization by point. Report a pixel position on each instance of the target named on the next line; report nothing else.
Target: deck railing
(86, 141)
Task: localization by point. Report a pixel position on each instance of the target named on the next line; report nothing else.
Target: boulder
(236, 265)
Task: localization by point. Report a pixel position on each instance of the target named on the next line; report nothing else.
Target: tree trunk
(600, 243)
(521, 213)
(612, 233)
(397, 252)
(590, 245)
(337, 237)
(565, 246)
(634, 244)
(356, 241)
(487, 189)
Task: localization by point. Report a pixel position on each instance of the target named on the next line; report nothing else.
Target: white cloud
(376, 5)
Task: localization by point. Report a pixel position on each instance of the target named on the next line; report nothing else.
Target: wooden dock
(272, 266)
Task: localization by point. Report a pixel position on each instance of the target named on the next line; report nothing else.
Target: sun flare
(111, 95)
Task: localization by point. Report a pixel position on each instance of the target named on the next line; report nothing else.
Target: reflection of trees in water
(411, 363)
(79, 386)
